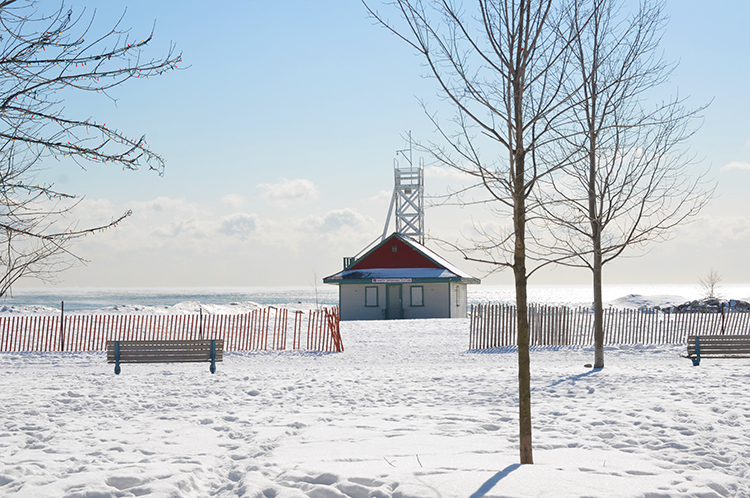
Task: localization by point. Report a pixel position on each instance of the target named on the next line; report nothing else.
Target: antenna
(408, 197)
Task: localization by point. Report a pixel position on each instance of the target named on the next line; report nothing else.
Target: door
(393, 306)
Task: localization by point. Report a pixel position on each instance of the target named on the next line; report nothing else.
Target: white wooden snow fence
(494, 325)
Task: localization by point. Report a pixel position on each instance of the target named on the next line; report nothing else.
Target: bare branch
(42, 56)
(627, 180)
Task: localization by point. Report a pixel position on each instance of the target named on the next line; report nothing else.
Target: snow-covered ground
(405, 411)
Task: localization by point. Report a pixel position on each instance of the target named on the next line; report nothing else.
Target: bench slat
(176, 354)
(720, 356)
(720, 338)
(727, 343)
(173, 357)
(709, 350)
(162, 353)
(162, 360)
(165, 344)
(716, 345)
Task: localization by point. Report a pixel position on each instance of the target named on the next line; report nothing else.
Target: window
(417, 295)
(458, 295)
(371, 297)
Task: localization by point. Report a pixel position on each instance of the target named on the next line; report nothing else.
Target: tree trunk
(519, 272)
(598, 306)
(595, 221)
(596, 269)
(524, 368)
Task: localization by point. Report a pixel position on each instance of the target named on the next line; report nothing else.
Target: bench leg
(697, 359)
(117, 358)
(213, 357)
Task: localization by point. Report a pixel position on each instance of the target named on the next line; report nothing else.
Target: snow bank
(405, 412)
(186, 307)
(33, 309)
(638, 301)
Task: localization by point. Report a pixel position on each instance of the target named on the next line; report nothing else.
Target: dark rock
(709, 306)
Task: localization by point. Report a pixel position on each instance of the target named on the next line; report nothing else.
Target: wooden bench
(165, 352)
(717, 346)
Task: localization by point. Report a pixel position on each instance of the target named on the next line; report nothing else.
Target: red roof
(394, 253)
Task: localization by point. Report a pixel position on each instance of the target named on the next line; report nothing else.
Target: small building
(400, 278)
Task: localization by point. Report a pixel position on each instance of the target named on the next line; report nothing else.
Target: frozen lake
(77, 298)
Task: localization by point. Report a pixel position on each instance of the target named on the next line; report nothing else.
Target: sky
(280, 132)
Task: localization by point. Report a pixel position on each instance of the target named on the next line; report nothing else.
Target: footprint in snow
(124, 482)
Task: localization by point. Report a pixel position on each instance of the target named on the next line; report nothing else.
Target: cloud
(717, 231)
(382, 196)
(338, 219)
(741, 165)
(181, 229)
(158, 221)
(289, 191)
(233, 201)
(91, 212)
(165, 208)
(440, 181)
(445, 173)
(343, 218)
(166, 234)
(239, 225)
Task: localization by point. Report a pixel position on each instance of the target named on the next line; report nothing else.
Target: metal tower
(408, 197)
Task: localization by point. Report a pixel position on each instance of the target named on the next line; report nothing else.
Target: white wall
(439, 301)
(435, 301)
(352, 302)
(459, 300)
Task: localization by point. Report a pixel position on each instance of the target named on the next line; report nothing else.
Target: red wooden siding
(404, 257)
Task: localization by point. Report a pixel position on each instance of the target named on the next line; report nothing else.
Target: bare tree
(44, 57)
(710, 284)
(502, 68)
(630, 182)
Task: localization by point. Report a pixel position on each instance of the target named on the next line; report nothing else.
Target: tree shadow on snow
(514, 349)
(576, 377)
(492, 481)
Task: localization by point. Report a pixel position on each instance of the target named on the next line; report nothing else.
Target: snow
(406, 411)
(28, 310)
(378, 273)
(639, 301)
(182, 308)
